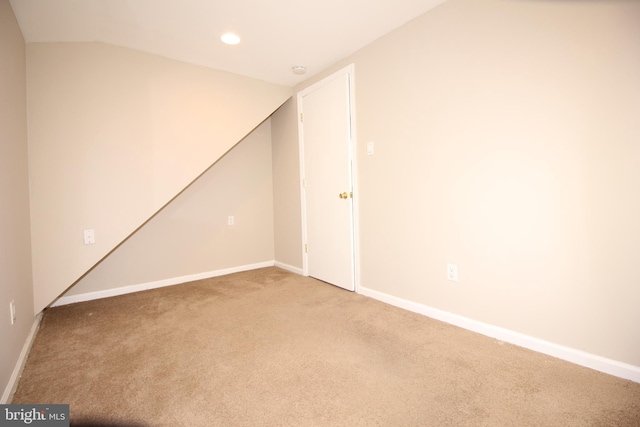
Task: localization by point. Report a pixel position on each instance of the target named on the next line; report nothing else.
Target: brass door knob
(343, 195)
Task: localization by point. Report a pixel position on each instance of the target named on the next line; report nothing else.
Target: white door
(326, 156)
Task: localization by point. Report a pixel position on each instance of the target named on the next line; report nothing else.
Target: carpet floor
(271, 348)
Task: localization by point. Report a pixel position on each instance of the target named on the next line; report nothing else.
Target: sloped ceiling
(276, 34)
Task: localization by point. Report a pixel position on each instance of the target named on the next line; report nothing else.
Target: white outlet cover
(452, 272)
(89, 237)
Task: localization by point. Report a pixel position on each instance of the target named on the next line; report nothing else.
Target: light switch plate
(12, 311)
(370, 148)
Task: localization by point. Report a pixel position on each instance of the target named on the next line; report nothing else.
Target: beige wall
(190, 235)
(15, 249)
(507, 142)
(286, 184)
(114, 134)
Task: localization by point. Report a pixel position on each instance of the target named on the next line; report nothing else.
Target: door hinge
(306, 248)
(302, 117)
(304, 183)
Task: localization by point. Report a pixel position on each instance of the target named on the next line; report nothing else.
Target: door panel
(326, 138)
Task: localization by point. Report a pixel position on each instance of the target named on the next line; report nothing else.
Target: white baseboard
(598, 363)
(288, 267)
(11, 387)
(70, 299)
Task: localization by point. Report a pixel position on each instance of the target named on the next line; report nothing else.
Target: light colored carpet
(271, 348)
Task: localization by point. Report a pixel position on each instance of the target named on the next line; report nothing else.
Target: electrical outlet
(89, 237)
(231, 220)
(452, 272)
(12, 311)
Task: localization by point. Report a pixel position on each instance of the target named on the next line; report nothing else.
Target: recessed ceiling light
(230, 38)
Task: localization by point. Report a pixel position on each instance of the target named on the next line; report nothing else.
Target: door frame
(349, 71)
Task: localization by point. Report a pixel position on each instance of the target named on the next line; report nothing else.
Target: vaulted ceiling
(276, 34)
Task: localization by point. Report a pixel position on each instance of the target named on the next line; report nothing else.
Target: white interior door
(326, 155)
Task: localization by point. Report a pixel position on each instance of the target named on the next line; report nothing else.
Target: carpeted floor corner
(272, 348)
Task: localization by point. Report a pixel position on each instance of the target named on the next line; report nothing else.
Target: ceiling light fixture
(230, 38)
(299, 70)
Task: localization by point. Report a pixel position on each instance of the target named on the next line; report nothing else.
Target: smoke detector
(299, 70)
